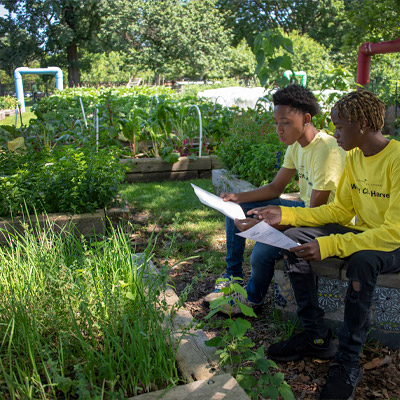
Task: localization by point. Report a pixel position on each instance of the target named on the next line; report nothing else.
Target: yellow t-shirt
(369, 189)
(319, 165)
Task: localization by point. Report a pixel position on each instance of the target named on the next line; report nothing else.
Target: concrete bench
(331, 281)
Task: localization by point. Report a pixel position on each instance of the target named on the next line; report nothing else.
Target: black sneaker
(303, 345)
(341, 382)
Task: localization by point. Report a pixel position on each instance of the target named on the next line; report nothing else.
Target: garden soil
(381, 366)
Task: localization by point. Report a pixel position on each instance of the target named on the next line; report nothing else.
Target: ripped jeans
(363, 267)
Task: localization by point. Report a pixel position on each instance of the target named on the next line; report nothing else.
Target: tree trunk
(74, 73)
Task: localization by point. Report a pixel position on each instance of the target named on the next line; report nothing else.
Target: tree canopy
(194, 38)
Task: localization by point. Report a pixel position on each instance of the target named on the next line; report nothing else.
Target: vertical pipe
(200, 128)
(19, 89)
(96, 124)
(83, 112)
(366, 50)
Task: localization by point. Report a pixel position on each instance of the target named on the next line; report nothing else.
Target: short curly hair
(297, 97)
(362, 106)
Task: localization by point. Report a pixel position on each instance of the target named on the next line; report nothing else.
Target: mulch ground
(381, 366)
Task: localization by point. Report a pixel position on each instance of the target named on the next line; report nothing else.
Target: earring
(306, 124)
(362, 132)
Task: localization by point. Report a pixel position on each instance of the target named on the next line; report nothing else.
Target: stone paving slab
(220, 387)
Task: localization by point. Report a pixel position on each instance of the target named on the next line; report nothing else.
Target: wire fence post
(17, 109)
(96, 126)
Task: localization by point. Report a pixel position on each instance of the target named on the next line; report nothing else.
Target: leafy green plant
(235, 349)
(7, 102)
(252, 150)
(269, 63)
(65, 180)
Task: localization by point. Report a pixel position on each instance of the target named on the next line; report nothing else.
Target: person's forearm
(263, 193)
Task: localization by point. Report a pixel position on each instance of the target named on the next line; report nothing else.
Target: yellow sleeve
(385, 237)
(340, 211)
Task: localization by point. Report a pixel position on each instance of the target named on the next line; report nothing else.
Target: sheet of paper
(228, 208)
(264, 233)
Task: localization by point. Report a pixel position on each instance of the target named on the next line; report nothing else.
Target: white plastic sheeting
(241, 97)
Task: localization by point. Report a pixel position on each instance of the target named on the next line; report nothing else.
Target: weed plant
(253, 371)
(79, 320)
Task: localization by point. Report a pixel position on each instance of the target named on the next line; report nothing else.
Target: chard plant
(251, 368)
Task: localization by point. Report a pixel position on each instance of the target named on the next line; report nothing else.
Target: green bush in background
(64, 180)
(7, 102)
(252, 150)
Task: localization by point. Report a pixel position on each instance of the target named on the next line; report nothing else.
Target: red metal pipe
(368, 49)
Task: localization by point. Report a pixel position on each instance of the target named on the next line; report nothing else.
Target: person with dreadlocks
(314, 155)
(369, 194)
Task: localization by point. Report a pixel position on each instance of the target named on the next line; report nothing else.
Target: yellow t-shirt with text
(319, 165)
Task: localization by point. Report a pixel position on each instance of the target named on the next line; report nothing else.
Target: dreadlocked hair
(362, 106)
(297, 97)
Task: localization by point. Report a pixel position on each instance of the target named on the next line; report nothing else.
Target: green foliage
(235, 349)
(252, 150)
(172, 37)
(55, 28)
(7, 102)
(82, 320)
(271, 64)
(311, 57)
(65, 180)
(156, 122)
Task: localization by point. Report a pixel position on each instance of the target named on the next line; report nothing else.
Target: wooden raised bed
(155, 169)
(88, 224)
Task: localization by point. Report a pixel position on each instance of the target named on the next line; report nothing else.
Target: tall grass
(80, 320)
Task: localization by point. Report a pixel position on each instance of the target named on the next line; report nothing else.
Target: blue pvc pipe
(19, 88)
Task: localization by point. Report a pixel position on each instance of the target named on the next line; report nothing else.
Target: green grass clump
(80, 320)
(194, 228)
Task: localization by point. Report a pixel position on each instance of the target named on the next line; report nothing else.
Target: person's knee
(263, 257)
(361, 268)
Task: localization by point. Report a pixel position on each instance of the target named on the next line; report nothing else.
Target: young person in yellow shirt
(369, 190)
(319, 164)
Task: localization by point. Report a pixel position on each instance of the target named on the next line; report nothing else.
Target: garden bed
(87, 224)
(155, 169)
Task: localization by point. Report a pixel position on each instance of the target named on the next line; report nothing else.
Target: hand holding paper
(228, 208)
(264, 233)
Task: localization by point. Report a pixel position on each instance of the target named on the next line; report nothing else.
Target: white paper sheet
(264, 233)
(228, 208)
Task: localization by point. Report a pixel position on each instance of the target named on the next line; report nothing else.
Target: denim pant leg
(262, 261)
(303, 280)
(364, 267)
(235, 244)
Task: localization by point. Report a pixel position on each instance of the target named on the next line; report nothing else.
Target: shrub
(7, 102)
(252, 150)
(64, 180)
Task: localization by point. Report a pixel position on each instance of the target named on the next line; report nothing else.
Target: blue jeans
(263, 256)
(363, 266)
